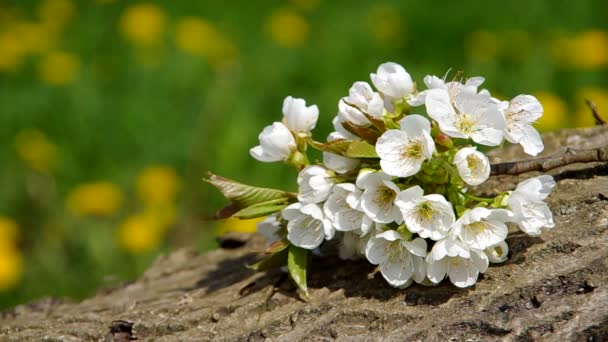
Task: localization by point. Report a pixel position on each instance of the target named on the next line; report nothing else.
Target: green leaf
(296, 262)
(243, 196)
(361, 149)
(369, 134)
(275, 260)
(278, 246)
(261, 209)
(338, 146)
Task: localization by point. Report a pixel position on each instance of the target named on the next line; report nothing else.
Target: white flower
(342, 208)
(360, 101)
(337, 163)
(526, 203)
(468, 115)
(473, 166)
(379, 194)
(398, 259)
(498, 253)
(393, 81)
(481, 228)
(402, 151)
(453, 87)
(269, 228)
(315, 184)
(460, 263)
(298, 117)
(521, 113)
(307, 227)
(352, 246)
(276, 144)
(429, 216)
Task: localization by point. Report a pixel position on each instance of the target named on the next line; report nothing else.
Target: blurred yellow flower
(587, 50)
(236, 225)
(386, 25)
(288, 28)
(583, 116)
(9, 231)
(158, 184)
(34, 36)
(55, 14)
(481, 46)
(306, 5)
(58, 68)
(12, 51)
(164, 214)
(36, 150)
(143, 24)
(196, 36)
(96, 199)
(555, 111)
(11, 267)
(139, 234)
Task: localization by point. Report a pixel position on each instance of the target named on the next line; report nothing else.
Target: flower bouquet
(395, 183)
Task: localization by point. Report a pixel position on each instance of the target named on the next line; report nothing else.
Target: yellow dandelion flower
(34, 36)
(288, 28)
(11, 267)
(12, 51)
(386, 25)
(239, 226)
(143, 24)
(583, 117)
(139, 234)
(158, 184)
(58, 68)
(96, 199)
(587, 50)
(555, 111)
(196, 36)
(481, 46)
(36, 150)
(9, 232)
(55, 14)
(306, 5)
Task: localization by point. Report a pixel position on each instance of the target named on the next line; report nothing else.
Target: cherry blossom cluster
(395, 184)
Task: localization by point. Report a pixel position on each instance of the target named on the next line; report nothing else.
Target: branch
(569, 156)
(599, 120)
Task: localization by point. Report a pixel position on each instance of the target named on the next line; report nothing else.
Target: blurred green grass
(102, 94)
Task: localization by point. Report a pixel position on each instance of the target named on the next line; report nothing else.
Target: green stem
(475, 198)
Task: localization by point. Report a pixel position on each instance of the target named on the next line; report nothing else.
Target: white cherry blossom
(379, 193)
(352, 246)
(360, 101)
(469, 115)
(473, 166)
(269, 228)
(298, 117)
(343, 209)
(393, 81)
(481, 228)
(429, 216)
(276, 144)
(307, 227)
(402, 151)
(453, 87)
(315, 184)
(498, 253)
(398, 259)
(521, 113)
(455, 259)
(526, 202)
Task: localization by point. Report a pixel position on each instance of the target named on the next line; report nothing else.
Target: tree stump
(553, 287)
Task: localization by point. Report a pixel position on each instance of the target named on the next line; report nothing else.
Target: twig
(569, 156)
(599, 120)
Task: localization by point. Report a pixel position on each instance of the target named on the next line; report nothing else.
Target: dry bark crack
(553, 287)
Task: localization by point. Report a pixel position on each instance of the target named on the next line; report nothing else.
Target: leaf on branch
(361, 149)
(243, 196)
(261, 209)
(277, 246)
(338, 146)
(296, 262)
(276, 260)
(369, 134)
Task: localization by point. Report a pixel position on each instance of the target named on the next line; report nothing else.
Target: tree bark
(553, 287)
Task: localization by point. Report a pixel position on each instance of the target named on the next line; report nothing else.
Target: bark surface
(553, 287)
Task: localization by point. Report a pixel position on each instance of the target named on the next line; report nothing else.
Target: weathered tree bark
(553, 287)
